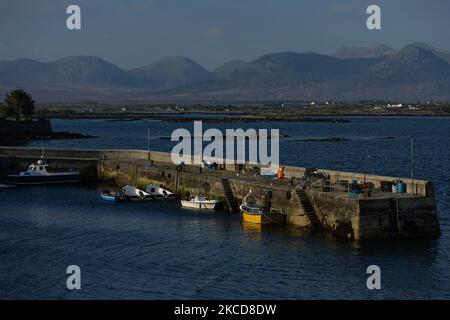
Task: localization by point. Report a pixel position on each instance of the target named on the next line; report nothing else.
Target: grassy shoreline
(235, 113)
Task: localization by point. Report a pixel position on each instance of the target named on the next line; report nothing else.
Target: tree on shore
(19, 104)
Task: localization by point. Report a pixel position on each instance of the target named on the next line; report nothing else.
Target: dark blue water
(157, 250)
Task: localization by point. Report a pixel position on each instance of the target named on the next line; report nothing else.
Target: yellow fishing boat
(252, 212)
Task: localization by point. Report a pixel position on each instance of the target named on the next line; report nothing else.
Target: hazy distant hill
(412, 73)
(170, 72)
(229, 67)
(439, 52)
(286, 75)
(416, 72)
(25, 71)
(86, 69)
(410, 64)
(363, 52)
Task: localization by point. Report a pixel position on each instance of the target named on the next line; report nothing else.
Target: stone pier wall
(131, 173)
(349, 217)
(371, 218)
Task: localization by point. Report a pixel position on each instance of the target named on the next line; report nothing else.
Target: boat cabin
(38, 168)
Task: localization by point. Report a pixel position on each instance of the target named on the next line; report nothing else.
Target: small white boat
(159, 193)
(200, 202)
(37, 174)
(135, 194)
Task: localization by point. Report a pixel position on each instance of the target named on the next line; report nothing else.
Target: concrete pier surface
(372, 214)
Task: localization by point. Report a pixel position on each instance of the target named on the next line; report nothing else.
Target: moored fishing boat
(159, 193)
(135, 194)
(112, 196)
(199, 202)
(253, 212)
(37, 173)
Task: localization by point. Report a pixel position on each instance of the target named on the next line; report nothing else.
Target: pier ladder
(308, 208)
(229, 195)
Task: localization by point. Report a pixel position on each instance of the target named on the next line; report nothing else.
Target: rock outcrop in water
(17, 132)
(14, 132)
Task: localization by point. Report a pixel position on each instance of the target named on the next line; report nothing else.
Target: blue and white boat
(128, 193)
(113, 196)
(37, 174)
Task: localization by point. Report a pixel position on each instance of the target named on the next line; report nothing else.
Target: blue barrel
(401, 187)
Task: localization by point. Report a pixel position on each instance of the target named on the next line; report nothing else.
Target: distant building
(394, 105)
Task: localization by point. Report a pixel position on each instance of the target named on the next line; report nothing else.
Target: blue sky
(137, 32)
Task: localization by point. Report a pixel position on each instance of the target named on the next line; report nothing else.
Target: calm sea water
(160, 251)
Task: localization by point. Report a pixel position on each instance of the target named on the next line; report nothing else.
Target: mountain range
(416, 72)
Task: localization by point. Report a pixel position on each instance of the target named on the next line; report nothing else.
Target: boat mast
(412, 165)
(42, 148)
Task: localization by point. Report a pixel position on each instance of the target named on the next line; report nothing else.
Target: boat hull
(44, 179)
(265, 218)
(198, 205)
(169, 198)
(159, 193)
(140, 199)
(162, 198)
(113, 198)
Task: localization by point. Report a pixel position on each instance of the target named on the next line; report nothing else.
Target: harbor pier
(332, 206)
